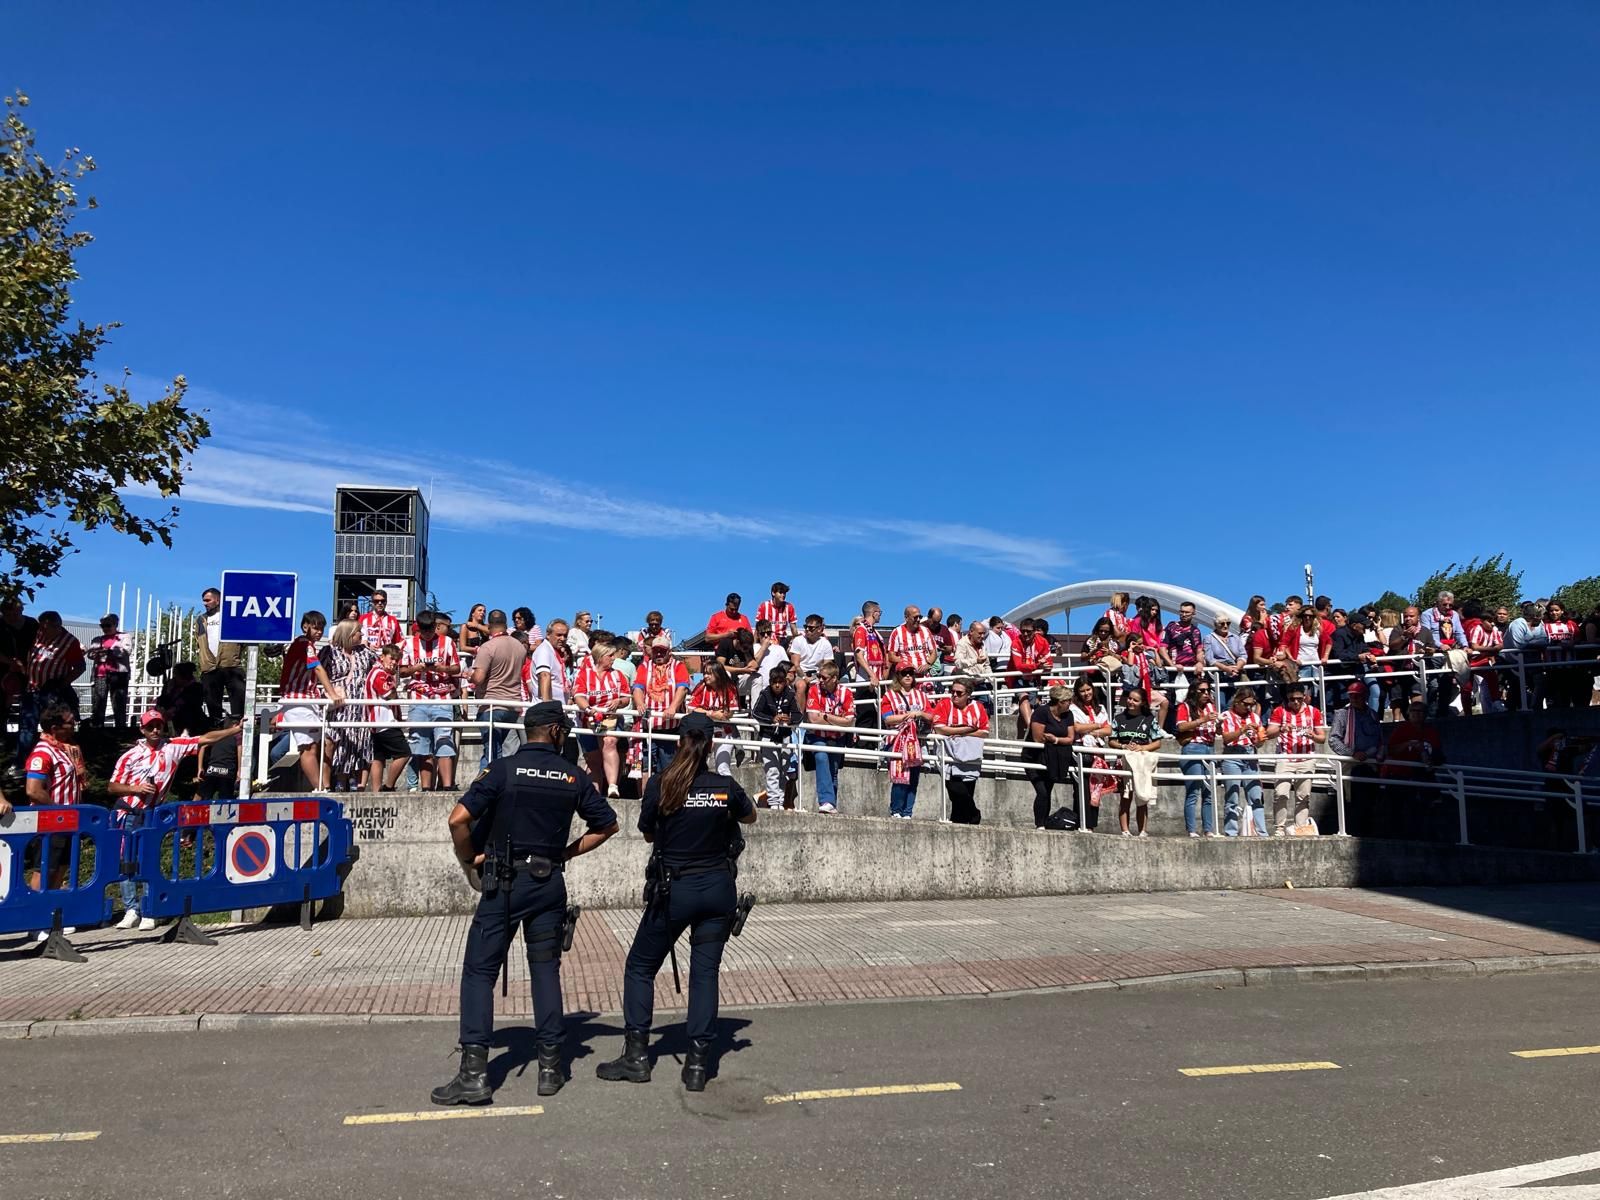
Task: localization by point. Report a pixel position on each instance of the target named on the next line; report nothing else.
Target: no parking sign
(5, 870)
(250, 854)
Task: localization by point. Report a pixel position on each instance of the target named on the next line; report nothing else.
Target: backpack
(1063, 820)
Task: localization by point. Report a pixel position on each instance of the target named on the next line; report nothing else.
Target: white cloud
(260, 457)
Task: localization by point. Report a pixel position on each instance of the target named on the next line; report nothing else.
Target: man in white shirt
(550, 665)
(811, 649)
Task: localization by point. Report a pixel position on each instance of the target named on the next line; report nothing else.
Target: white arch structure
(1097, 593)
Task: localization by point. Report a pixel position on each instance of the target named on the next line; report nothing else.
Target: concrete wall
(406, 866)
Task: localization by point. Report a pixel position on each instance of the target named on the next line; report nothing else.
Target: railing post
(1583, 837)
(1338, 797)
(1461, 805)
(1083, 794)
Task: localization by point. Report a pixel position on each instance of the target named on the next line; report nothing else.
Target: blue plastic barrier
(77, 902)
(264, 853)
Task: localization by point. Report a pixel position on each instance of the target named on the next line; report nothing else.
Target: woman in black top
(692, 816)
(1051, 727)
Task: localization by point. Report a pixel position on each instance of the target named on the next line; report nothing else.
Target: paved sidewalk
(817, 953)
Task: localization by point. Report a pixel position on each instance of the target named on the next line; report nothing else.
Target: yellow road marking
(445, 1114)
(1259, 1068)
(31, 1139)
(1557, 1052)
(897, 1089)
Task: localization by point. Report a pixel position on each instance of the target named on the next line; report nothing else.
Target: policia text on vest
(691, 816)
(511, 827)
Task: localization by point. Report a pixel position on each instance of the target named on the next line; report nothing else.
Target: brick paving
(812, 953)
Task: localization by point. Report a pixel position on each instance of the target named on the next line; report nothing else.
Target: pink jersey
(144, 763)
(430, 685)
(60, 766)
(782, 618)
(916, 648)
(379, 629)
(300, 662)
(1297, 727)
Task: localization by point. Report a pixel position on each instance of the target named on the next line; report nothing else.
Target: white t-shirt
(546, 662)
(774, 655)
(577, 644)
(812, 654)
(1309, 656)
(997, 644)
(214, 630)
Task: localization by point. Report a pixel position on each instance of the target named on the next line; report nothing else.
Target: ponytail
(693, 750)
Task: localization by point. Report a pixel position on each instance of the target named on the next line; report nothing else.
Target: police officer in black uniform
(513, 824)
(692, 817)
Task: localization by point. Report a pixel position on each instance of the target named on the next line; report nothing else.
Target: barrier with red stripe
(30, 838)
(260, 853)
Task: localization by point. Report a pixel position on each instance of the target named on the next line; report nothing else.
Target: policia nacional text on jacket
(513, 824)
(692, 817)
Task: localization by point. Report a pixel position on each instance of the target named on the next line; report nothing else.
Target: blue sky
(943, 304)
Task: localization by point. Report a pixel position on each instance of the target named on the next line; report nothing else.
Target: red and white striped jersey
(1232, 722)
(1485, 637)
(660, 683)
(144, 763)
(1295, 737)
(1561, 631)
(60, 766)
(867, 638)
(840, 703)
(379, 629)
(300, 662)
(380, 686)
(708, 698)
(1032, 656)
(430, 685)
(910, 700)
(916, 648)
(599, 688)
(783, 620)
(946, 712)
(1206, 735)
(55, 660)
(1119, 621)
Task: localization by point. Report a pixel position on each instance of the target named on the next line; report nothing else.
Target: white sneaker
(613, 792)
(1194, 835)
(146, 924)
(1144, 833)
(130, 918)
(1126, 833)
(826, 808)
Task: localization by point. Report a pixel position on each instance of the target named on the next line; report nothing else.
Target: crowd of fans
(378, 703)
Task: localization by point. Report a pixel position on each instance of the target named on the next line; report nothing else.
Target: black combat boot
(634, 1065)
(694, 1066)
(550, 1075)
(471, 1084)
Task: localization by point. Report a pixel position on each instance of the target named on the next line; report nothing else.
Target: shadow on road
(588, 1036)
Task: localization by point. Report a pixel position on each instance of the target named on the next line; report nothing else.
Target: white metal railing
(1004, 757)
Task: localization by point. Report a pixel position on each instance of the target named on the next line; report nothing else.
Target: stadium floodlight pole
(1311, 591)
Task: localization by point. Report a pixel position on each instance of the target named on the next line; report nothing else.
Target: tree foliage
(68, 443)
(1390, 599)
(1491, 583)
(1581, 597)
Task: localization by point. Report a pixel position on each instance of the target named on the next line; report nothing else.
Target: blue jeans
(131, 890)
(1313, 691)
(1197, 798)
(507, 728)
(1241, 775)
(827, 776)
(903, 796)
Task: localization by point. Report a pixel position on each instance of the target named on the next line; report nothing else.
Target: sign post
(257, 606)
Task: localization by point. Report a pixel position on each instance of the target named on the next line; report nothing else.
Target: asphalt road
(1060, 1095)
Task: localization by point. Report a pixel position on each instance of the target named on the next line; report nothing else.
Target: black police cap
(546, 712)
(696, 723)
